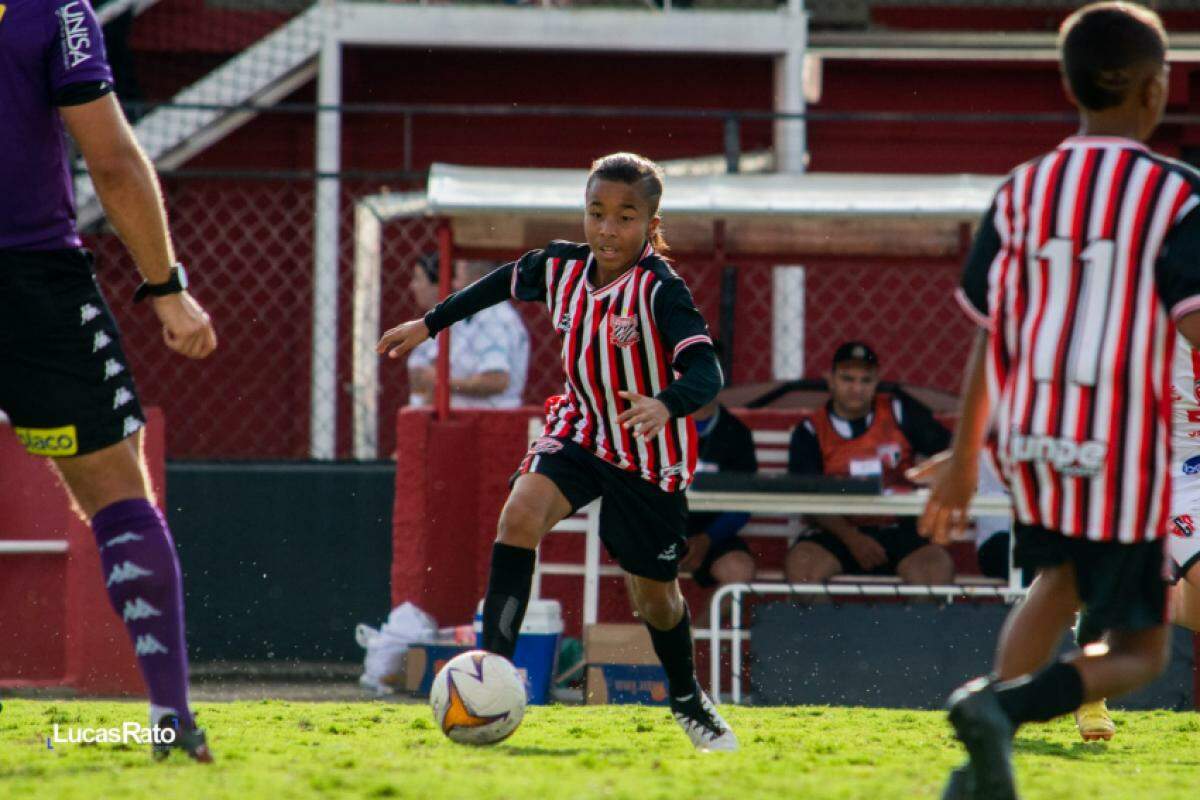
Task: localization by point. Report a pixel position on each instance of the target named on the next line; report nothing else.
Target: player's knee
(736, 567)
(521, 524)
(659, 604)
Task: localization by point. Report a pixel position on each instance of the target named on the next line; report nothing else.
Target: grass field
(274, 749)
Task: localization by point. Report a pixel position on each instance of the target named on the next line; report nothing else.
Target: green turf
(275, 749)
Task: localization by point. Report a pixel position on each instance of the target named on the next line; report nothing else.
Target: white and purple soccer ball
(478, 698)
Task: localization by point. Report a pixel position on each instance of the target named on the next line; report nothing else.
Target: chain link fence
(240, 187)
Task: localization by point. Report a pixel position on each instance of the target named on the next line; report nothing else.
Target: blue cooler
(536, 657)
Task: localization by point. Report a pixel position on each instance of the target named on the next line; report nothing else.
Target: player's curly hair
(639, 171)
(1103, 45)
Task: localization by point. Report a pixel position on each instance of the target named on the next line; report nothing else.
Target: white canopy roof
(457, 191)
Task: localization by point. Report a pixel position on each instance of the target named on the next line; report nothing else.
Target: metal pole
(791, 147)
(441, 388)
(322, 434)
(733, 145)
(591, 566)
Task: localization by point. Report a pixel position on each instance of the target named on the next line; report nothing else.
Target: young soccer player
(1183, 545)
(64, 380)
(638, 360)
(1079, 276)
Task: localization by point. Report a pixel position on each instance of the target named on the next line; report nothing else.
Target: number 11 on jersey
(1087, 334)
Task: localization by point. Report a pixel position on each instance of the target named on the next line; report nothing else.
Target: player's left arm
(684, 334)
(127, 187)
(1177, 273)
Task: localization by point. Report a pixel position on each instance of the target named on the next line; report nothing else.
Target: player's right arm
(127, 186)
(956, 477)
(523, 279)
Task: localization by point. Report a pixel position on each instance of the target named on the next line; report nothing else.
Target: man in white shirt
(489, 352)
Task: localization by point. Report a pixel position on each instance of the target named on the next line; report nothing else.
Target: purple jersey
(45, 47)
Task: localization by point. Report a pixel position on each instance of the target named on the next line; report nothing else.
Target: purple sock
(141, 572)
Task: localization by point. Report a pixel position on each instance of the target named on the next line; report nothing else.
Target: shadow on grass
(1077, 750)
(561, 752)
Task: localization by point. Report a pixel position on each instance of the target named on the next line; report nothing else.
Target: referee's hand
(187, 328)
(400, 340)
(645, 415)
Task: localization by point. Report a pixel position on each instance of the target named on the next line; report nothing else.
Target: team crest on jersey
(564, 323)
(623, 331)
(1185, 526)
(545, 445)
(1196, 390)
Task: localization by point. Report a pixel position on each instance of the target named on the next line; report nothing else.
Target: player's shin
(145, 587)
(509, 584)
(674, 649)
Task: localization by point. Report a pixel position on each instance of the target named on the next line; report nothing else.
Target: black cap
(855, 351)
(429, 265)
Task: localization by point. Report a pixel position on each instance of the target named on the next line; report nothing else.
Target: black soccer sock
(1086, 631)
(674, 649)
(1056, 690)
(509, 583)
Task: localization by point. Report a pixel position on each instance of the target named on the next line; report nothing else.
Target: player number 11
(1083, 362)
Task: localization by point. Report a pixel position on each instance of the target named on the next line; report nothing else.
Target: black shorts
(1122, 586)
(732, 544)
(643, 527)
(64, 380)
(899, 541)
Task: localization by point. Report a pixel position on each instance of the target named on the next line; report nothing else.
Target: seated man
(860, 432)
(489, 352)
(716, 554)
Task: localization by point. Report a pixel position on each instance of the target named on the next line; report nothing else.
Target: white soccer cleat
(703, 725)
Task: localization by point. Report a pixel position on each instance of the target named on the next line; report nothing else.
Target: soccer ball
(478, 698)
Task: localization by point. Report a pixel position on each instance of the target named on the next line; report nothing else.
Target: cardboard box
(622, 666)
(422, 662)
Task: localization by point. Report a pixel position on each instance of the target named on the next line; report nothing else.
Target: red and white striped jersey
(1185, 406)
(1087, 256)
(625, 336)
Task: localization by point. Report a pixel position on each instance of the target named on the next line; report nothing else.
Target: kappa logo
(147, 645)
(87, 313)
(76, 41)
(545, 445)
(122, 397)
(623, 331)
(127, 536)
(126, 572)
(132, 425)
(100, 341)
(670, 554)
(137, 609)
(112, 368)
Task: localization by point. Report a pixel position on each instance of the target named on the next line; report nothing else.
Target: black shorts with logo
(1122, 586)
(65, 384)
(643, 527)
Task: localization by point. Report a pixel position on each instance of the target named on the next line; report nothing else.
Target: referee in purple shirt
(65, 384)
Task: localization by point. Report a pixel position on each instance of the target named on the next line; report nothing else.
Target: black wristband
(176, 283)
